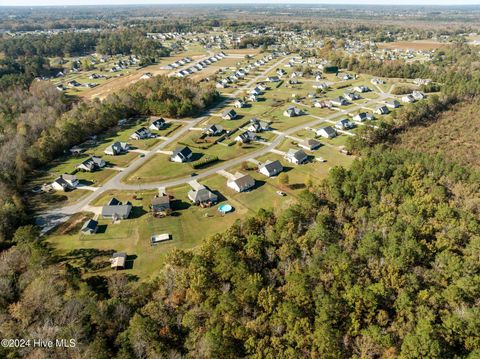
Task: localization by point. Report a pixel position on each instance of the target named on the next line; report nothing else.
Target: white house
(141, 134)
(65, 182)
(326, 132)
(362, 116)
(296, 156)
(181, 154)
(408, 99)
(241, 182)
(271, 168)
(157, 125)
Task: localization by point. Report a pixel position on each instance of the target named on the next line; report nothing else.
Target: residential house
(161, 204)
(339, 101)
(344, 124)
(65, 182)
(418, 95)
(239, 103)
(181, 154)
(229, 114)
(326, 132)
(141, 134)
(157, 124)
(246, 137)
(362, 89)
(252, 98)
(257, 91)
(408, 98)
(213, 130)
(118, 260)
(362, 116)
(322, 104)
(91, 164)
(382, 110)
(241, 182)
(296, 156)
(89, 227)
(273, 79)
(258, 126)
(117, 148)
(292, 112)
(309, 144)
(115, 209)
(201, 195)
(320, 85)
(281, 72)
(352, 96)
(270, 168)
(392, 103)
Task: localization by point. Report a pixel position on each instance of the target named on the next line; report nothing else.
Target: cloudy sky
(111, 2)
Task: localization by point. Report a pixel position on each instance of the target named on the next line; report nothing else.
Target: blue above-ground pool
(224, 208)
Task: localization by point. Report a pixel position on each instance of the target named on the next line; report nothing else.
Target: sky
(138, 2)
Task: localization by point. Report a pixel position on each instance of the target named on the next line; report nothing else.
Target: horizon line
(242, 3)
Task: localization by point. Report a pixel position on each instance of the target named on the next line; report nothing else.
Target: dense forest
(381, 261)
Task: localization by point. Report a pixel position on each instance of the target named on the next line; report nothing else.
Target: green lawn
(158, 168)
(133, 235)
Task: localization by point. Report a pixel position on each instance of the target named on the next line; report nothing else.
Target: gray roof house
(344, 124)
(239, 103)
(157, 125)
(241, 182)
(91, 164)
(258, 126)
(270, 168)
(89, 227)
(200, 194)
(382, 110)
(362, 116)
(181, 154)
(292, 112)
(141, 134)
(296, 156)
(229, 114)
(339, 101)
(114, 209)
(65, 182)
(326, 132)
(392, 103)
(213, 130)
(309, 144)
(160, 203)
(246, 137)
(117, 148)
